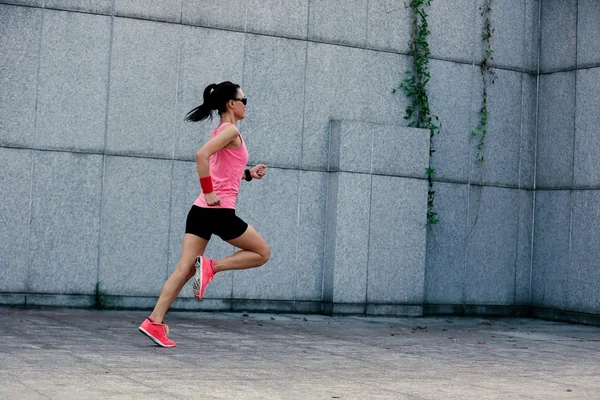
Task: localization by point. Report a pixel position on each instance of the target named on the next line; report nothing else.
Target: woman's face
(238, 107)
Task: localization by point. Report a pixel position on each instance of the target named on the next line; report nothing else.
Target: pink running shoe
(205, 272)
(157, 332)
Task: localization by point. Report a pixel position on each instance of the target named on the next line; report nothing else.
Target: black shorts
(223, 222)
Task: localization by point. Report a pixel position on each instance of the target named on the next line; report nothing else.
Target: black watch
(248, 175)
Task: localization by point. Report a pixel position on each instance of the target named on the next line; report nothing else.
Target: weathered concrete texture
(285, 18)
(551, 264)
(370, 253)
(206, 56)
(65, 214)
(558, 45)
(445, 270)
(508, 19)
(271, 207)
(338, 21)
(388, 26)
(73, 81)
(96, 355)
(492, 245)
(141, 111)
(15, 196)
(134, 226)
(379, 149)
(502, 141)
(20, 31)
(556, 126)
(87, 6)
(274, 70)
(588, 30)
(224, 14)
(586, 169)
(455, 43)
(450, 96)
(163, 10)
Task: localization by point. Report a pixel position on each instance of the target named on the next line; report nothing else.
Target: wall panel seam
(175, 131)
(537, 114)
(35, 139)
(104, 155)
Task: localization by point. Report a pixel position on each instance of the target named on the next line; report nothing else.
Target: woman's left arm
(256, 172)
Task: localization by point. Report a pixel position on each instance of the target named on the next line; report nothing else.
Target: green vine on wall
(488, 76)
(101, 299)
(415, 87)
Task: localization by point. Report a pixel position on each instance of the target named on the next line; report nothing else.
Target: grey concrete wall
(566, 270)
(376, 219)
(480, 253)
(100, 163)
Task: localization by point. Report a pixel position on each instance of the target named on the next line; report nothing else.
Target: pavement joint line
(30, 388)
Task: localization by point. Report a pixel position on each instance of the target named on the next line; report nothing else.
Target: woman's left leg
(193, 246)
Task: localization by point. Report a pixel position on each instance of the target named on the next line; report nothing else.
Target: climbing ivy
(488, 76)
(415, 87)
(101, 299)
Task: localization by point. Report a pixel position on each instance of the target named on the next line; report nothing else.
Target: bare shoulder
(230, 130)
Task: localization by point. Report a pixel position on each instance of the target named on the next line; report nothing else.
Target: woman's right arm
(226, 136)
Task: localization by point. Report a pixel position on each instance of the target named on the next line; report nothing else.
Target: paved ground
(73, 354)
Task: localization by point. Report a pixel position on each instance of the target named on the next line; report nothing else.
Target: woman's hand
(212, 199)
(258, 171)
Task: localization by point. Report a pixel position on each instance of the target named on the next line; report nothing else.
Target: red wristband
(206, 184)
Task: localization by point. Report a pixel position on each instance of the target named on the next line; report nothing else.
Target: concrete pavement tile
(9, 387)
(289, 389)
(542, 388)
(451, 388)
(82, 386)
(589, 382)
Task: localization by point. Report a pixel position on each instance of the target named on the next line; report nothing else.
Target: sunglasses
(244, 100)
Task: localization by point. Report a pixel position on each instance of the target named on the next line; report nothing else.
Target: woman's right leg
(192, 247)
(255, 252)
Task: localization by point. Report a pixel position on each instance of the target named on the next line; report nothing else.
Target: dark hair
(215, 98)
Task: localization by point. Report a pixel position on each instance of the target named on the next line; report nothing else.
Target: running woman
(221, 166)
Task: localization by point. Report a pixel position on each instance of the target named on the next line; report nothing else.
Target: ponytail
(203, 111)
(215, 97)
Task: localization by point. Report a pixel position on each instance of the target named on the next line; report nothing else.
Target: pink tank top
(226, 169)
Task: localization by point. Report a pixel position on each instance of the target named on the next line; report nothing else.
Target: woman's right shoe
(205, 272)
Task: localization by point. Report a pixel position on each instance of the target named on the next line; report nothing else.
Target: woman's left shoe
(157, 332)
